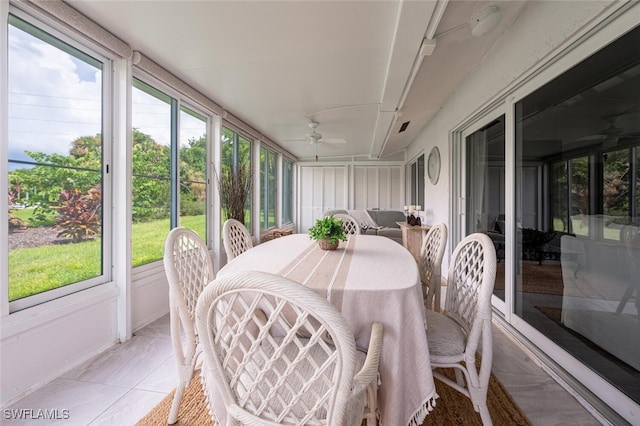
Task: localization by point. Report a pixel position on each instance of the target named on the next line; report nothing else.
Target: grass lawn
(38, 269)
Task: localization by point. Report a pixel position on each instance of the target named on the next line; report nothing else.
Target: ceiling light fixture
(485, 21)
(481, 22)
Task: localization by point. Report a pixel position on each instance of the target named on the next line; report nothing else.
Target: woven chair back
(431, 255)
(272, 368)
(236, 238)
(350, 225)
(471, 279)
(188, 267)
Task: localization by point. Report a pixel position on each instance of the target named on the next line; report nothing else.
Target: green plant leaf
(328, 228)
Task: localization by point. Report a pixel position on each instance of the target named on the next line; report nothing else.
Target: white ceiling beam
(413, 22)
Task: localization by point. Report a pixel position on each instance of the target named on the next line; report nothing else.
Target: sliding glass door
(577, 246)
(553, 178)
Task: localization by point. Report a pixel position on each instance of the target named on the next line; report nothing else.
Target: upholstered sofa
(384, 220)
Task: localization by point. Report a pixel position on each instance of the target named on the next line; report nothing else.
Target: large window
(578, 228)
(417, 181)
(151, 168)
(268, 188)
(193, 171)
(56, 153)
(287, 191)
(169, 164)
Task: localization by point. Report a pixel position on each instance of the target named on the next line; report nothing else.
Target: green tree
(43, 183)
(615, 185)
(151, 170)
(193, 181)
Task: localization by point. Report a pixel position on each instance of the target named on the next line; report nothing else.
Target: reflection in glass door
(577, 236)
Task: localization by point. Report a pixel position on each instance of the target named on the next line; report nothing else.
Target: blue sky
(55, 97)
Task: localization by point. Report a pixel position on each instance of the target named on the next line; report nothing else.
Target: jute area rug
(451, 408)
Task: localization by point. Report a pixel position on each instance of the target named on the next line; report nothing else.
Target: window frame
(287, 191)
(107, 93)
(177, 103)
(416, 184)
(265, 200)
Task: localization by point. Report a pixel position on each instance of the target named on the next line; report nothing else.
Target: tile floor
(122, 384)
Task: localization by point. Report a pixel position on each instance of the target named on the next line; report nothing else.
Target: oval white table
(368, 278)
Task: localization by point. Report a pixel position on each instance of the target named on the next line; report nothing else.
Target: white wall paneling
(378, 187)
(359, 186)
(321, 188)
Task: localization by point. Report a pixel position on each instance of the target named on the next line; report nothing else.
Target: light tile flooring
(122, 384)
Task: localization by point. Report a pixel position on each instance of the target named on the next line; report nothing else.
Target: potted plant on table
(328, 232)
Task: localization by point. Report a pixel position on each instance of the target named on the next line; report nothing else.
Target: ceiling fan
(611, 132)
(316, 138)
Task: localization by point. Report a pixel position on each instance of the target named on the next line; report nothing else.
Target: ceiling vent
(404, 126)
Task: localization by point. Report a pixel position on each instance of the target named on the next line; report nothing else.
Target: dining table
(367, 278)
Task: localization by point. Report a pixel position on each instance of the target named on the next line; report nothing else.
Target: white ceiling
(345, 64)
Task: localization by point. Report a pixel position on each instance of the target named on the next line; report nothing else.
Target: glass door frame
(585, 384)
(458, 182)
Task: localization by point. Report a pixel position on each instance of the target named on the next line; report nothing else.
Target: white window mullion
(122, 184)
(4, 135)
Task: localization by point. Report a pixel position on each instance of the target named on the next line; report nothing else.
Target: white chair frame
(464, 327)
(351, 226)
(276, 352)
(431, 255)
(236, 238)
(189, 269)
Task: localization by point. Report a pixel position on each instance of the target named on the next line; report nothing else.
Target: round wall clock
(433, 165)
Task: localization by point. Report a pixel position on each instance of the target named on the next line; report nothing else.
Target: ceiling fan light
(485, 21)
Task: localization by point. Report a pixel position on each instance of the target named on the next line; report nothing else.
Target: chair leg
(175, 405)
(478, 396)
(484, 415)
(372, 405)
(459, 377)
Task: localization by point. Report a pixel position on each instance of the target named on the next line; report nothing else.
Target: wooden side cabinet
(412, 238)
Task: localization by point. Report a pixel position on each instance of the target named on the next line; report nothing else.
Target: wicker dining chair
(188, 267)
(275, 352)
(431, 255)
(464, 327)
(349, 223)
(236, 238)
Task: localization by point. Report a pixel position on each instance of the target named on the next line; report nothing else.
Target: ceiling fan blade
(591, 138)
(323, 144)
(332, 140)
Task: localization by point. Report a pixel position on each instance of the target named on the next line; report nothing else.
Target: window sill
(36, 316)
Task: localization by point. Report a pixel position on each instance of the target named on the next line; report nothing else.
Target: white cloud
(54, 98)
(49, 104)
